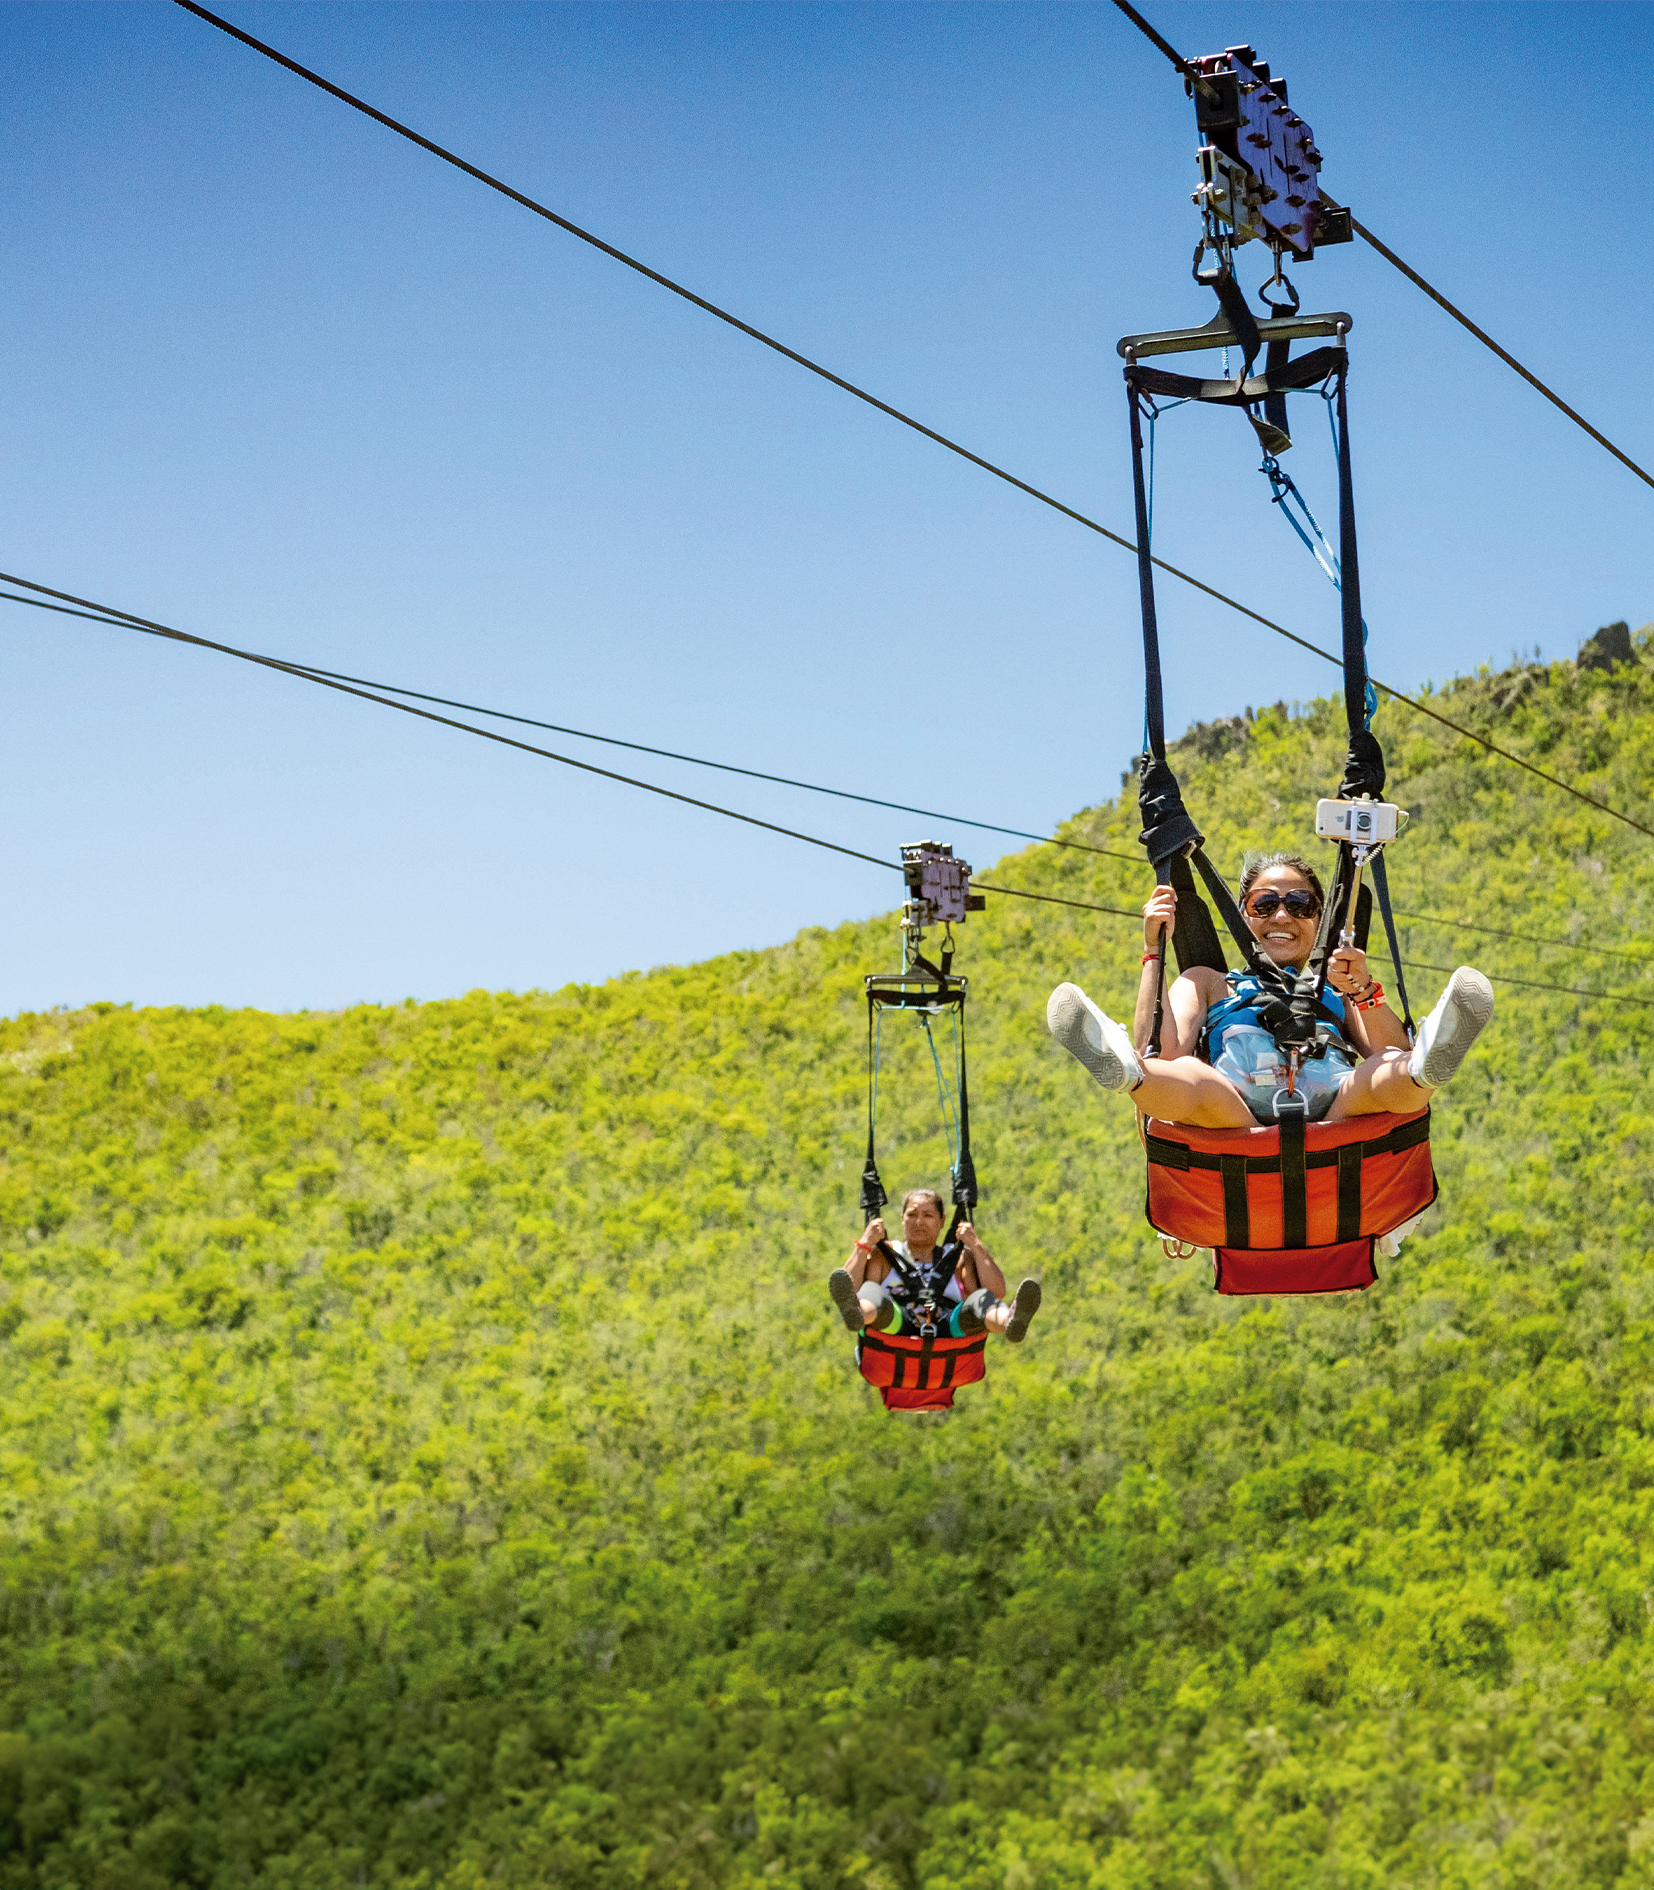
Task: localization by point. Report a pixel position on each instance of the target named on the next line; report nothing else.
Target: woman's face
(1287, 937)
(921, 1222)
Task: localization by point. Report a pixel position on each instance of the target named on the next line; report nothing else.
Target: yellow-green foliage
(428, 1456)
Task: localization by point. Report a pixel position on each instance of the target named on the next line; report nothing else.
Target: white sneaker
(1452, 1027)
(1093, 1038)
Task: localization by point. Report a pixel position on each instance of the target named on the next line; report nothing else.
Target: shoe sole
(1023, 1308)
(1467, 1004)
(844, 1298)
(1066, 1012)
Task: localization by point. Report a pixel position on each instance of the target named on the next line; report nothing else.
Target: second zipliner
(923, 1305)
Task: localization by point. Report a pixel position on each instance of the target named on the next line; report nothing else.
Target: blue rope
(1286, 495)
(1154, 414)
(950, 1115)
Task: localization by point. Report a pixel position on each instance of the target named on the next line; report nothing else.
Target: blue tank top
(1238, 1047)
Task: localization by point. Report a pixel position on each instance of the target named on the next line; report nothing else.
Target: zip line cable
(1412, 275)
(859, 393)
(122, 621)
(727, 767)
(125, 620)
(1532, 984)
(1487, 341)
(1521, 938)
(614, 741)
(960, 820)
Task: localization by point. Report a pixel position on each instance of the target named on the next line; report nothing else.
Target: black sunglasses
(1299, 905)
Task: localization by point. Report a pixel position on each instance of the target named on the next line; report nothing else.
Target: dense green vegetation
(428, 1457)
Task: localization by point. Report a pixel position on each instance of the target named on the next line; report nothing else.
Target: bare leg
(1183, 1089)
(1012, 1316)
(1379, 1085)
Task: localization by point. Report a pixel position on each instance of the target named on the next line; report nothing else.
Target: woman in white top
(869, 1291)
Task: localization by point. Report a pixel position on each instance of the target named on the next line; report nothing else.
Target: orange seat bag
(1294, 1207)
(918, 1374)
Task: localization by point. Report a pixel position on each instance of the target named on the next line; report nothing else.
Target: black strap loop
(1381, 882)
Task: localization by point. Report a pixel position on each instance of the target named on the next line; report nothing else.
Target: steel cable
(121, 620)
(125, 620)
(859, 393)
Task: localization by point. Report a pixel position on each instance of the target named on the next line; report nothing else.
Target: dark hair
(941, 1212)
(1256, 863)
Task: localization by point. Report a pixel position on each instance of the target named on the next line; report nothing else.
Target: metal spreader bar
(1218, 334)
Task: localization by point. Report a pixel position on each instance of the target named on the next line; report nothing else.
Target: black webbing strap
(1237, 1211)
(1349, 1191)
(925, 1351)
(1349, 583)
(1291, 377)
(1381, 880)
(1167, 828)
(964, 1170)
(1194, 937)
(1362, 929)
(1153, 702)
(1294, 1183)
(873, 1196)
(1166, 1153)
(1275, 361)
(1158, 1025)
(1232, 301)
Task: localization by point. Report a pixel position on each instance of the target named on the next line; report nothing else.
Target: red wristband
(1374, 996)
(862, 1244)
(1152, 958)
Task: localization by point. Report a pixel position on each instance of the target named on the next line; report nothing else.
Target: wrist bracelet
(1375, 995)
(863, 1246)
(1152, 958)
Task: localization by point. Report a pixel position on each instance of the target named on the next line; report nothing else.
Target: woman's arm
(980, 1262)
(866, 1262)
(1188, 995)
(1373, 1026)
(1158, 916)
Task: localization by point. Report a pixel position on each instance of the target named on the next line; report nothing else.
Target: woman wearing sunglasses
(1220, 1069)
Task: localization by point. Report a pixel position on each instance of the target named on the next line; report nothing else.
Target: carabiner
(1279, 311)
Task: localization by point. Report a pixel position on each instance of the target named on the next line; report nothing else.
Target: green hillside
(428, 1457)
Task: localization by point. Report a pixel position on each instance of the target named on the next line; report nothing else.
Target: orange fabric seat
(918, 1374)
(1291, 1208)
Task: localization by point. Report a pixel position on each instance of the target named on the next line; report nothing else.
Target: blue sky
(279, 378)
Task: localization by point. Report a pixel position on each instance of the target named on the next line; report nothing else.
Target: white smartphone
(1362, 823)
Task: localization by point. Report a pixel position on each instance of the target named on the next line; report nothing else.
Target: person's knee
(876, 1304)
(970, 1316)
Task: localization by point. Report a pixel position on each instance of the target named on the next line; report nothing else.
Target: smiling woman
(1219, 1067)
